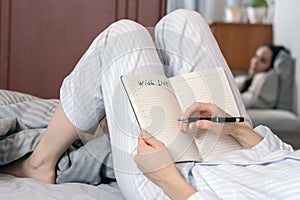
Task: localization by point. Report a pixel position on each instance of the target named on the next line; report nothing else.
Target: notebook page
(209, 85)
(157, 111)
(212, 145)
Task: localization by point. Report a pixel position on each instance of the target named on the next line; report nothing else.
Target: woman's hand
(154, 159)
(157, 164)
(240, 131)
(198, 109)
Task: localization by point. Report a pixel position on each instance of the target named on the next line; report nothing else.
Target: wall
(42, 40)
(287, 32)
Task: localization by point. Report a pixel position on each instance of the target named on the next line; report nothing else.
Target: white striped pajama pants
(183, 43)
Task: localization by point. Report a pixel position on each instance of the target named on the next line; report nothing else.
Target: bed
(84, 171)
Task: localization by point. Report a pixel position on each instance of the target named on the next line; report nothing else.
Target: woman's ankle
(40, 169)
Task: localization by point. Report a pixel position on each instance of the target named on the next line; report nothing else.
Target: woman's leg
(130, 50)
(94, 88)
(185, 44)
(123, 48)
(40, 165)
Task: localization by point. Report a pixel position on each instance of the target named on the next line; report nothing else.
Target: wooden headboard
(41, 41)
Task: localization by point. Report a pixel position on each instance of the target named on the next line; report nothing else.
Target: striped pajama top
(270, 170)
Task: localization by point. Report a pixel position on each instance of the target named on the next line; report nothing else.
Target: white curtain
(286, 32)
(209, 9)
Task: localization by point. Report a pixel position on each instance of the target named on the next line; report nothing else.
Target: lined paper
(158, 102)
(205, 86)
(157, 111)
(208, 86)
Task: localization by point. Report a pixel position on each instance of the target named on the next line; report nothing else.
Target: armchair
(285, 119)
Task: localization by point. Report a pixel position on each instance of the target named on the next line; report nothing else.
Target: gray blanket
(24, 118)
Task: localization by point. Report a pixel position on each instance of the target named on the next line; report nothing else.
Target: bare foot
(25, 167)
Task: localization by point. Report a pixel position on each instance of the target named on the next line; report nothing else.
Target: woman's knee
(186, 14)
(180, 18)
(120, 38)
(125, 26)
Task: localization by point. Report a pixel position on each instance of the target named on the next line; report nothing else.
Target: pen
(214, 119)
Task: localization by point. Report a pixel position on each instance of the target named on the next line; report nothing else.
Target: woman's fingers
(143, 147)
(203, 124)
(197, 109)
(151, 154)
(147, 140)
(190, 111)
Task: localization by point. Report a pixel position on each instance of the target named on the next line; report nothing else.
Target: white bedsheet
(13, 188)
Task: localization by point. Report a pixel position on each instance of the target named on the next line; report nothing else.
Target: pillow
(283, 66)
(23, 119)
(263, 91)
(12, 97)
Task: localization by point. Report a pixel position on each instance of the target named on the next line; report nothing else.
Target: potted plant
(233, 11)
(234, 14)
(256, 11)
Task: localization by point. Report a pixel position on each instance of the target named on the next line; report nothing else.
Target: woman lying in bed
(265, 168)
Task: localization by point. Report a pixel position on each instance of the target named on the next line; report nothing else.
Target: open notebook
(158, 102)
